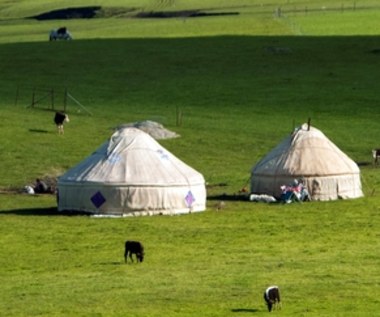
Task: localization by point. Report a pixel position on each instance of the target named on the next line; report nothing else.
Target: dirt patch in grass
(100, 12)
(50, 180)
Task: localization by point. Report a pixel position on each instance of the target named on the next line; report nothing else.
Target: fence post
(33, 96)
(65, 100)
(179, 117)
(278, 12)
(52, 98)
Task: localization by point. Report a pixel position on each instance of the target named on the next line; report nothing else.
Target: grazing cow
(134, 247)
(272, 297)
(59, 119)
(375, 155)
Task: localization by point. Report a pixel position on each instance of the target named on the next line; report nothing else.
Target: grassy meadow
(242, 83)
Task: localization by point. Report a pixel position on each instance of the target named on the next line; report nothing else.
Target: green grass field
(242, 82)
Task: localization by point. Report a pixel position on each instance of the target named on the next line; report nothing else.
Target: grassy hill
(243, 76)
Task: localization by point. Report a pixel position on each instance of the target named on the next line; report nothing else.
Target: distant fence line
(288, 9)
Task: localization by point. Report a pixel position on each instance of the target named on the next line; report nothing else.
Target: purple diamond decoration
(189, 199)
(98, 199)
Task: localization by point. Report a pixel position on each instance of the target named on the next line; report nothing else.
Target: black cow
(272, 297)
(134, 247)
(59, 119)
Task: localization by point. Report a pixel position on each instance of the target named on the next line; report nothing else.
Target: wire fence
(328, 8)
(48, 99)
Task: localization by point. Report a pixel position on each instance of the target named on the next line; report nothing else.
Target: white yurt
(307, 154)
(132, 174)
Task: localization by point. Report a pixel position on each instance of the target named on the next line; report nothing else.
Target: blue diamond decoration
(189, 199)
(98, 199)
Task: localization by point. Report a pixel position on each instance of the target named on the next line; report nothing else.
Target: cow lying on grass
(272, 297)
(134, 247)
(60, 118)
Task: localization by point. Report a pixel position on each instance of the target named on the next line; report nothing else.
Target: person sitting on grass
(41, 187)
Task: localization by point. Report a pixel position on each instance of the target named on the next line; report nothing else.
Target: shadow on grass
(52, 211)
(233, 197)
(38, 131)
(112, 263)
(244, 310)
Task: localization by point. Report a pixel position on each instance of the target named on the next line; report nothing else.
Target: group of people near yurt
(132, 174)
(295, 192)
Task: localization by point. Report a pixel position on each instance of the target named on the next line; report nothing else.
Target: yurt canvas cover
(132, 174)
(308, 154)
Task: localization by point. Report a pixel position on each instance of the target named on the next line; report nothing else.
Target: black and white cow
(60, 118)
(272, 297)
(60, 34)
(136, 248)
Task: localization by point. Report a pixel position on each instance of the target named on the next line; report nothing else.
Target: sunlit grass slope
(242, 82)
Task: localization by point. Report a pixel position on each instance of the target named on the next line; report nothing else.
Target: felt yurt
(308, 155)
(132, 174)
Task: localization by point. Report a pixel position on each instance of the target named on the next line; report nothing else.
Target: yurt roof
(132, 157)
(306, 152)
